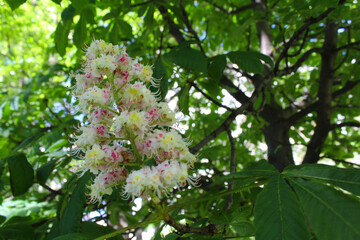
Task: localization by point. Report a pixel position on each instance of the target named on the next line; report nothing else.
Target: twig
(141, 4)
(182, 229)
(347, 51)
(45, 100)
(344, 124)
(210, 98)
(297, 33)
(189, 27)
(228, 120)
(301, 46)
(341, 161)
(299, 62)
(229, 200)
(236, 11)
(349, 45)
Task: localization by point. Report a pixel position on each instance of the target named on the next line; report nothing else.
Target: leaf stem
(131, 138)
(223, 193)
(141, 224)
(106, 107)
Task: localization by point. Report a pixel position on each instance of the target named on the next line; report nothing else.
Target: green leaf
(149, 17)
(125, 29)
(216, 68)
(171, 236)
(264, 57)
(79, 4)
(68, 13)
(89, 14)
(2, 219)
(43, 173)
(160, 72)
(14, 4)
(249, 61)
(61, 36)
(80, 32)
(28, 141)
(243, 228)
(278, 213)
(257, 169)
(221, 217)
(59, 143)
(346, 178)
(141, 10)
(114, 33)
(17, 231)
(21, 174)
(188, 58)
(183, 102)
(73, 236)
(57, 1)
(331, 213)
(157, 235)
(71, 217)
(92, 230)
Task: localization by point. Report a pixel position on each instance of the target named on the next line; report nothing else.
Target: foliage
(268, 91)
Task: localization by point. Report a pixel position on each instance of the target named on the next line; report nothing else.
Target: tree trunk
(277, 131)
(279, 148)
(328, 60)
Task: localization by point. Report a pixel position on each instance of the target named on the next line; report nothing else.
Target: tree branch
(344, 124)
(301, 46)
(299, 62)
(182, 229)
(141, 4)
(189, 27)
(236, 11)
(175, 32)
(341, 161)
(229, 200)
(328, 59)
(173, 28)
(228, 120)
(349, 45)
(210, 98)
(349, 85)
(298, 33)
(233, 90)
(347, 51)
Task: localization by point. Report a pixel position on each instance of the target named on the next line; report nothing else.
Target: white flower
(146, 74)
(105, 64)
(134, 121)
(94, 95)
(87, 138)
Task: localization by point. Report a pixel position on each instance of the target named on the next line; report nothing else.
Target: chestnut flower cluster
(127, 128)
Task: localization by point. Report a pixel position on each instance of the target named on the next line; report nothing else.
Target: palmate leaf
(184, 99)
(278, 213)
(17, 231)
(331, 213)
(188, 58)
(347, 179)
(80, 32)
(250, 61)
(257, 169)
(161, 73)
(21, 174)
(71, 216)
(14, 4)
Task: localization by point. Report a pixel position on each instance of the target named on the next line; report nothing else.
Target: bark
(277, 136)
(323, 124)
(279, 148)
(277, 130)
